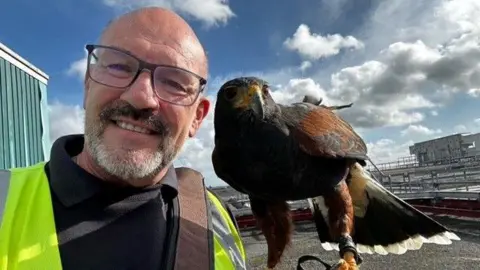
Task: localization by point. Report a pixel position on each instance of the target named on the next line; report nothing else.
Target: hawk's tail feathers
(384, 223)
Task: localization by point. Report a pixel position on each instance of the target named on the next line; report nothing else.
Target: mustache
(146, 116)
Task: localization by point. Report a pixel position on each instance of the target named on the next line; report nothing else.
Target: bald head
(161, 27)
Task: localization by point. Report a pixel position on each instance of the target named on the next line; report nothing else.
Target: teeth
(132, 127)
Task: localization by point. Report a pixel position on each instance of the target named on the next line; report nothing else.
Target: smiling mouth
(130, 127)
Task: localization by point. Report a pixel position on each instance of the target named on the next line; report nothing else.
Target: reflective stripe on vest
(226, 236)
(27, 226)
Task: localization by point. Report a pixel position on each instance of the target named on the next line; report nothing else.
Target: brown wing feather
(321, 132)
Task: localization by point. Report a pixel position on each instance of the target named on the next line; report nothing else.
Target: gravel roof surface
(464, 254)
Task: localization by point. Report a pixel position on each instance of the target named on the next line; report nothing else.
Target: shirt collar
(72, 184)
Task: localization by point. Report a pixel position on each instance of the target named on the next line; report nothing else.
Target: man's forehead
(127, 27)
(151, 23)
(165, 31)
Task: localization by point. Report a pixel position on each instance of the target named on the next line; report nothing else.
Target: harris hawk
(275, 153)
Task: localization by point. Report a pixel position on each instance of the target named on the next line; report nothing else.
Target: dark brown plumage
(275, 153)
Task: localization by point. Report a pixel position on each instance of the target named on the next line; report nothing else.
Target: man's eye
(119, 67)
(171, 84)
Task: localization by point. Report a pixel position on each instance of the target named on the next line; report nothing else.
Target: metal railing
(430, 180)
(412, 162)
(441, 195)
(463, 191)
(434, 182)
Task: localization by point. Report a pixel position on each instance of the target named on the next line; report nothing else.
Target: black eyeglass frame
(143, 65)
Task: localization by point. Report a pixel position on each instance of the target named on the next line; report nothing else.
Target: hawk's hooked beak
(253, 99)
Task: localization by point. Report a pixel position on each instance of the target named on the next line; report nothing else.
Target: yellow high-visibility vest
(28, 238)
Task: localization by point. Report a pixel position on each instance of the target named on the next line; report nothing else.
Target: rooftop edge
(20, 62)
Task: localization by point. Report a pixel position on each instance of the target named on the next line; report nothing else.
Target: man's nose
(141, 93)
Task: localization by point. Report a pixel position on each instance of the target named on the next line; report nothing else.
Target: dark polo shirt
(103, 226)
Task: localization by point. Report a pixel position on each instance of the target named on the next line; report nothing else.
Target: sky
(410, 67)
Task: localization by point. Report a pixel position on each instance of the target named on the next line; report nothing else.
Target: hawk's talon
(347, 263)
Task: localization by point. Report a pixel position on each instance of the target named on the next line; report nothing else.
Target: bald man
(111, 198)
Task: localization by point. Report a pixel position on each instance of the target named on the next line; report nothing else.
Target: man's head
(135, 126)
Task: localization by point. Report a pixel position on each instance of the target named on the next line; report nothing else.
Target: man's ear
(200, 113)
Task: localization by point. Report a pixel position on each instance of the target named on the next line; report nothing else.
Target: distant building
(473, 140)
(24, 129)
(446, 148)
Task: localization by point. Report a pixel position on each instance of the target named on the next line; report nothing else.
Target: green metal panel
(23, 126)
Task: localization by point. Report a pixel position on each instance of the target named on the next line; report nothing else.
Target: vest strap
(194, 247)
(4, 184)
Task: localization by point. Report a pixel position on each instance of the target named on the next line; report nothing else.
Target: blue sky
(248, 42)
(409, 67)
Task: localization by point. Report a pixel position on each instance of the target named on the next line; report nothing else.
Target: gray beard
(119, 162)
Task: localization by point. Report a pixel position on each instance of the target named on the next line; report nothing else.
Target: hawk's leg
(341, 224)
(275, 221)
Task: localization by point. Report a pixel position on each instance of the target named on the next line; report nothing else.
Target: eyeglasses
(118, 68)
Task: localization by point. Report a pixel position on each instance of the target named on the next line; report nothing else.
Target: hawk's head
(246, 94)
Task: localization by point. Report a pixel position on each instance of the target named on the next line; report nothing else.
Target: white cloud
(65, 120)
(78, 67)
(305, 65)
(296, 89)
(401, 80)
(381, 98)
(474, 92)
(210, 12)
(416, 57)
(419, 130)
(387, 150)
(313, 46)
(468, 126)
(460, 128)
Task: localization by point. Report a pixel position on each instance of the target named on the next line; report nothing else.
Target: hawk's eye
(230, 93)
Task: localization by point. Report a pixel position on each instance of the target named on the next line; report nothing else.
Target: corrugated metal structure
(24, 129)
(450, 147)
